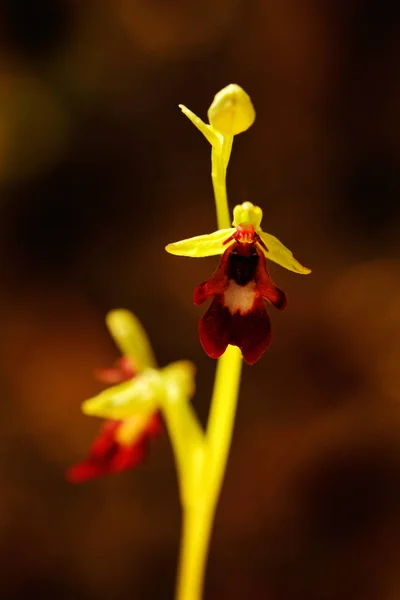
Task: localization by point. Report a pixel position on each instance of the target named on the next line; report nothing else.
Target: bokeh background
(98, 171)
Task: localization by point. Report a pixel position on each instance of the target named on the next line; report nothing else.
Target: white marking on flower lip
(240, 298)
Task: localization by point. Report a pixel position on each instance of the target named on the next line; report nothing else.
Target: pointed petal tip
(278, 253)
(178, 249)
(298, 268)
(118, 314)
(84, 471)
(170, 249)
(250, 361)
(75, 475)
(87, 408)
(290, 264)
(121, 322)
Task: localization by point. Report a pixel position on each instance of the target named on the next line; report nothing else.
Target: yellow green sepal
(145, 393)
(212, 136)
(281, 255)
(131, 339)
(210, 244)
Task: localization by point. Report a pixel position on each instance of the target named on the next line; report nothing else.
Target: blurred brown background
(98, 171)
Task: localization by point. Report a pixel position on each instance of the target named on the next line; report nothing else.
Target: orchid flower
(237, 314)
(132, 407)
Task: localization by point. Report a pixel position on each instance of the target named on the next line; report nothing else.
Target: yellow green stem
(196, 532)
(200, 505)
(187, 438)
(220, 155)
(221, 419)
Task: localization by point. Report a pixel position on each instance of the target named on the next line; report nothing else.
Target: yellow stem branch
(187, 439)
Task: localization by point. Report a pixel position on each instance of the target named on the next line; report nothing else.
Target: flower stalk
(199, 511)
(235, 324)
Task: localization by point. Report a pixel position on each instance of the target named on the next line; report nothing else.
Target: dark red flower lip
(108, 455)
(237, 314)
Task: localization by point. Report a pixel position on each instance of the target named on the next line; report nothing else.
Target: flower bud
(231, 111)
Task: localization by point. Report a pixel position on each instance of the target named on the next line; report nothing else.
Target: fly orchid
(120, 444)
(235, 324)
(132, 407)
(237, 314)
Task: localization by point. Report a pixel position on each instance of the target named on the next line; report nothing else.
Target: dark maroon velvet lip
(223, 324)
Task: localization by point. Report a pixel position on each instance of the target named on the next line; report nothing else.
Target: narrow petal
(209, 133)
(122, 371)
(278, 253)
(275, 296)
(251, 331)
(84, 471)
(103, 445)
(128, 457)
(214, 328)
(210, 244)
(213, 286)
(202, 293)
(141, 394)
(217, 283)
(266, 287)
(100, 459)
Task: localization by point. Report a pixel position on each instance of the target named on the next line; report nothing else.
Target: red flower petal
(122, 371)
(217, 284)
(214, 328)
(251, 331)
(237, 315)
(107, 455)
(266, 286)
